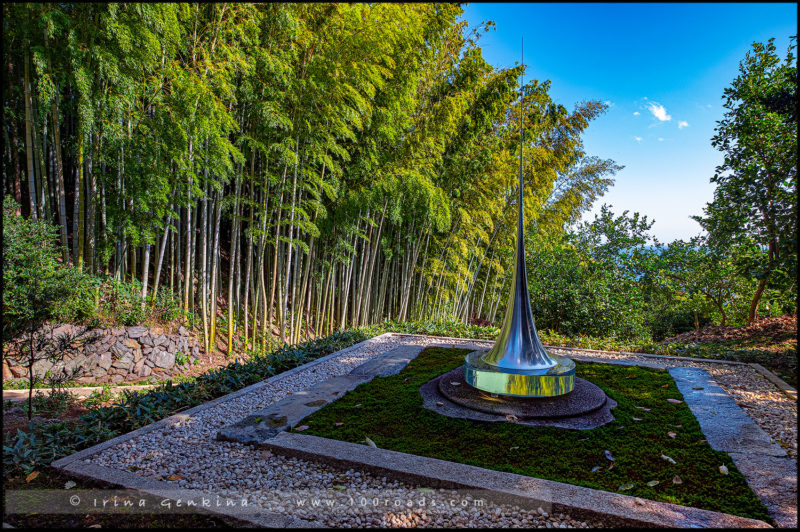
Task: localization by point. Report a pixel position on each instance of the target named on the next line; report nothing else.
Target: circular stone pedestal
(547, 382)
(585, 397)
(585, 407)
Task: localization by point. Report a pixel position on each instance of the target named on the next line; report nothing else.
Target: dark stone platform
(584, 398)
(585, 407)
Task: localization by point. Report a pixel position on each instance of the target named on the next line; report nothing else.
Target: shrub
(56, 401)
(574, 293)
(81, 305)
(36, 287)
(122, 302)
(165, 306)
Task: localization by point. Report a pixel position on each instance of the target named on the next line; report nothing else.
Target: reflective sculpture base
(549, 382)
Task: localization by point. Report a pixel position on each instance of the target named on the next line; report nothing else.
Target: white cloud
(638, 139)
(660, 139)
(636, 113)
(659, 111)
(682, 124)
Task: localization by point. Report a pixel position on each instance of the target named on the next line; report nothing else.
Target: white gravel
(188, 452)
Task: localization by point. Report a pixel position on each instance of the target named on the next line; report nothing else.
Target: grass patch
(389, 411)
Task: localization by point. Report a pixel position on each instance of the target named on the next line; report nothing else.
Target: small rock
(164, 360)
(131, 344)
(16, 411)
(136, 332)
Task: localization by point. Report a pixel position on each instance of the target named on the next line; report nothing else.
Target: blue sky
(662, 68)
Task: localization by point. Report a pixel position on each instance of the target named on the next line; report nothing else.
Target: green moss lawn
(389, 411)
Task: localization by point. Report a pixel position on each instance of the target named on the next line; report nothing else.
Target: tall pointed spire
(518, 346)
(517, 364)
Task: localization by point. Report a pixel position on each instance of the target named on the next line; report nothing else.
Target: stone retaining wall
(119, 354)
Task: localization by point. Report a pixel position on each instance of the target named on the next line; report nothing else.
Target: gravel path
(188, 452)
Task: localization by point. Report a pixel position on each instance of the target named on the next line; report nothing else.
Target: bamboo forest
(310, 166)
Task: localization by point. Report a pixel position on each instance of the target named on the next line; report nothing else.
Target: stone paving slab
(769, 471)
(725, 424)
(286, 413)
(580, 502)
(280, 416)
(390, 363)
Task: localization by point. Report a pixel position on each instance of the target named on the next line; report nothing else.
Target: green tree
(695, 269)
(31, 271)
(591, 280)
(756, 194)
(34, 285)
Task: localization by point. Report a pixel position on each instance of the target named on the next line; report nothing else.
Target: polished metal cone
(518, 364)
(518, 346)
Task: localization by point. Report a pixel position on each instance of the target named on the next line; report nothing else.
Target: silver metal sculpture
(518, 364)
